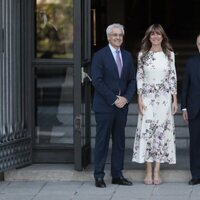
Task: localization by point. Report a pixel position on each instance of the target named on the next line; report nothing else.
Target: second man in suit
(113, 78)
(190, 104)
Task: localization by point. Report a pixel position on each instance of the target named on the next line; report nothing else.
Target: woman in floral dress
(157, 102)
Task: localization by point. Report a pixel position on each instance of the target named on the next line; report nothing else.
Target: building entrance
(45, 48)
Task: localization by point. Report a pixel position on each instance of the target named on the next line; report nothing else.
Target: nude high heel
(148, 179)
(156, 179)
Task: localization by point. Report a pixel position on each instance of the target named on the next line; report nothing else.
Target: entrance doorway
(180, 24)
(136, 16)
(62, 48)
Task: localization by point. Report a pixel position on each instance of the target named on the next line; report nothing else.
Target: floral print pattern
(155, 133)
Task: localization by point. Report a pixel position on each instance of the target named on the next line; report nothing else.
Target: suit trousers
(107, 124)
(194, 129)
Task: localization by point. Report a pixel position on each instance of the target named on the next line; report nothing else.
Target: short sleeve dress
(155, 133)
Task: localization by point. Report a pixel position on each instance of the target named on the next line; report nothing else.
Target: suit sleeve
(172, 75)
(131, 87)
(140, 75)
(97, 71)
(185, 86)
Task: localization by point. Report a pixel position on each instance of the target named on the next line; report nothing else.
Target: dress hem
(141, 162)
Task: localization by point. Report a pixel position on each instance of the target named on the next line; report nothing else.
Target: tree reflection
(54, 29)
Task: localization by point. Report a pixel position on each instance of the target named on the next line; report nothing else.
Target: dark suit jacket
(191, 87)
(107, 82)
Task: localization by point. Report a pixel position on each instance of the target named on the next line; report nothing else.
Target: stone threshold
(66, 172)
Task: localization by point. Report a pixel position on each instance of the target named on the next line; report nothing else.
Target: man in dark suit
(190, 104)
(113, 78)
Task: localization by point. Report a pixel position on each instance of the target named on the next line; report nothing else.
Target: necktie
(118, 62)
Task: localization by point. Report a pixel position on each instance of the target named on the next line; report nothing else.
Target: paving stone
(3, 185)
(15, 197)
(85, 190)
(23, 187)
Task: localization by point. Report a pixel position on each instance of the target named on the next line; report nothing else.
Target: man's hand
(121, 102)
(185, 116)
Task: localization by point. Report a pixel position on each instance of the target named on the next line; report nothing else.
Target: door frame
(82, 57)
(78, 152)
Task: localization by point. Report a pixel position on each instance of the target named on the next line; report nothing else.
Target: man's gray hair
(115, 25)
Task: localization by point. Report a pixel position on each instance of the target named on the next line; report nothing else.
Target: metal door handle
(2, 40)
(84, 75)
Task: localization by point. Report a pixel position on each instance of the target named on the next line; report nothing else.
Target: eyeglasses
(116, 35)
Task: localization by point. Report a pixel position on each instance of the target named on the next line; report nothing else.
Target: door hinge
(84, 75)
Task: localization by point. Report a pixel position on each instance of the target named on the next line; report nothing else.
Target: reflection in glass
(54, 29)
(54, 106)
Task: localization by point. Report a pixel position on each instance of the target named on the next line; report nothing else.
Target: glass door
(54, 81)
(61, 62)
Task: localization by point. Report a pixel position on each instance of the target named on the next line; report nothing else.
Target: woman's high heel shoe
(148, 180)
(157, 179)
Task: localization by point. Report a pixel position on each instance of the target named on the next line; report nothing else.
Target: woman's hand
(140, 105)
(174, 105)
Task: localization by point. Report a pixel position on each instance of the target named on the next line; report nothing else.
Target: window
(54, 29)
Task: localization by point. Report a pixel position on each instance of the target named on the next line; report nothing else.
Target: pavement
(85, 190)
(62, 182)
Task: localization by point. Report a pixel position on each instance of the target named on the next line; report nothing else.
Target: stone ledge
(65, 172)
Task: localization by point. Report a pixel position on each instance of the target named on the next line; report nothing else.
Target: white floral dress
(155, 133)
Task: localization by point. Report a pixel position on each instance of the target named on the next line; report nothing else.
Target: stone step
(68, 109)
(65, 172)
(61, 130)
(60, 137)
(67, 120)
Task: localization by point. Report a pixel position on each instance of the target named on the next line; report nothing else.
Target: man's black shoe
(99, 182)
(121, 181)
(194, 181)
